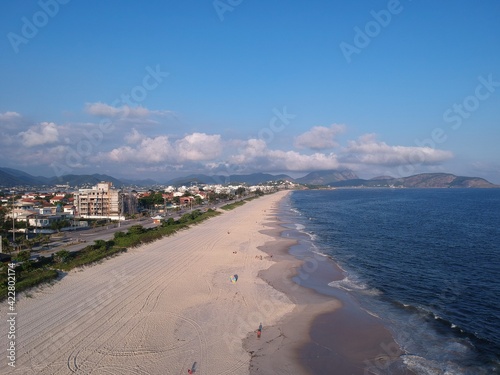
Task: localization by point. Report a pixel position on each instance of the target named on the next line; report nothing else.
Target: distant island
(345, 178)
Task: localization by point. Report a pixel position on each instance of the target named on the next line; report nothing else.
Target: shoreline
(277, 354)
(161, 307)
(328, 331)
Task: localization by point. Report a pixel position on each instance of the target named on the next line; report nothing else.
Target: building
(46, 221)
(100, 202)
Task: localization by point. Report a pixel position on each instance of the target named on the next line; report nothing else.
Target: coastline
(162, 307)
(327, 332)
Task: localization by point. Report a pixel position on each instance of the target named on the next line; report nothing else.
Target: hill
(336, 178)
(83, 180)
(327, 177)
(250, 179)
(10, 177)
(423, 180)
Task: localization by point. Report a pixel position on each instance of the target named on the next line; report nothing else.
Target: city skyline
(141, 90)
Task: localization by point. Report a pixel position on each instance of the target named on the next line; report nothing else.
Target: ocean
(426, 261)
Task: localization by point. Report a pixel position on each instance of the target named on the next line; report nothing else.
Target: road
(79, 239)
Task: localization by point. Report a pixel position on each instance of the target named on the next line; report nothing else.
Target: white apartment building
(100, 202)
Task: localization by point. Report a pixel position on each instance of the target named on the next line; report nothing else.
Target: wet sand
(161, 307)
(327, 332)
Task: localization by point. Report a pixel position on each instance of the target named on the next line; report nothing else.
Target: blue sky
(167, 88)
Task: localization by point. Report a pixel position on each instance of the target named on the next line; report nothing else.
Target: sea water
(426, 261)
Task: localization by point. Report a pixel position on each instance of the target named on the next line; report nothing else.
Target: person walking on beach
(259, 331)
(192, 370)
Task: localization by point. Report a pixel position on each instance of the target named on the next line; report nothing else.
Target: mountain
(427, 180)
(336, 178)
(327, 177)
(10, 177)
(13, 177)
(250, 179)
(7, 179)
(193, 178)
(146, 182)
(382, 178)
(423, 180)
(257, 178)
(80, 180)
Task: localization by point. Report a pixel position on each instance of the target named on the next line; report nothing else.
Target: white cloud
(319, 137)
(255, 155)
(9, 116)
(159, 149)
(367, 150)
(294, 161)
(125, 111)
(42, 156)
(134, 137)
(149, 150)
(44, 133)
(199, 146)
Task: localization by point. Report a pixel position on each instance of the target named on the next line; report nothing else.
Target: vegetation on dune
(232, 206)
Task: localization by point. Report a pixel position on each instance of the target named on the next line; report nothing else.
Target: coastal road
(77, 240)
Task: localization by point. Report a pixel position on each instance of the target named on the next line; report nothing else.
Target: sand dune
(156, 309)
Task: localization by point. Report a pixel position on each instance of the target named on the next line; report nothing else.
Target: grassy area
(31, 274)
(232, 206)
(25, 279)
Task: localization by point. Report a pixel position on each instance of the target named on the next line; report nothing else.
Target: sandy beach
(171, 306)
(327, 332)
(156, 309)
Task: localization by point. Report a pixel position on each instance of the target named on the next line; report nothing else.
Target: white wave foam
(422, 366)
(351, 285)
(299, 227)
(319, 253)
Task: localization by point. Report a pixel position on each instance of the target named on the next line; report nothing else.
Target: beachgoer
(192, 370)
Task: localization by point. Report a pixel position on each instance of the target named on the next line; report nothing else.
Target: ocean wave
(299, 227)
(353, 285)
(320, 253)
(423, 366)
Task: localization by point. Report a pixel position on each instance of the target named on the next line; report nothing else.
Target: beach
(156, 309)
(327, 332)
(194, 300)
